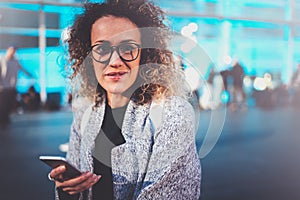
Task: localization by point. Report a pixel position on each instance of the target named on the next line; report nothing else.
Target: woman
(136, 138)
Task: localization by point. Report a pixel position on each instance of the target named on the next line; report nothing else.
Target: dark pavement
(257, 156)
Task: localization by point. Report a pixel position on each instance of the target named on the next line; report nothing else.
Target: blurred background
(241, 59)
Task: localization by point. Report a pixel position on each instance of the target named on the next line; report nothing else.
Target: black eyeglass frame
(117, 49)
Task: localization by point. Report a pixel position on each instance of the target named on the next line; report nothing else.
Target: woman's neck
(117, 100)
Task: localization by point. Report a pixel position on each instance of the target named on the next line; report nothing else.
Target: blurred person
(211, 95)
(31, 101)
(9, 68)
(238, 95)
(226, 76)
(136, 139)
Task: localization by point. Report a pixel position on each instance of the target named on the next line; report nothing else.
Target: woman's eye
(126, 48)
(102, 50)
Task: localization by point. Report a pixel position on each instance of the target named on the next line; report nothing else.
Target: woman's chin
(116, 91)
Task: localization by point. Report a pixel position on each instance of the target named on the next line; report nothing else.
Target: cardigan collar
(134, 114)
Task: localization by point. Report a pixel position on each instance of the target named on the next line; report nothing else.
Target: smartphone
(55, 161)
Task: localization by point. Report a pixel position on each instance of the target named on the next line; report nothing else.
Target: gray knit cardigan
(155, 163)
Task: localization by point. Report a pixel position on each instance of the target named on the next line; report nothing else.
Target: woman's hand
(74, 185)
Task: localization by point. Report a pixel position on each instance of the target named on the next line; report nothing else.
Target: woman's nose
(115, 60)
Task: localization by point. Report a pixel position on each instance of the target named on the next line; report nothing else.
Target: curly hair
(159, 74)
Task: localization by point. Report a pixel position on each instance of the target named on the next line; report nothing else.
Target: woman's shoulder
(172, 100)
(174, 107)
(177, 104)
(80, 105)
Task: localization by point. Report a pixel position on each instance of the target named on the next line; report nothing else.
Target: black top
(110, 136)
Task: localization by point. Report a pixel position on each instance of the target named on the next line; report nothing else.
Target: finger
(73, 181)
(57, 172)
(83, 185)
(86, 183)
(78, 180)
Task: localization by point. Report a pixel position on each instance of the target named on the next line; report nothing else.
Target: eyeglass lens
(127, 51)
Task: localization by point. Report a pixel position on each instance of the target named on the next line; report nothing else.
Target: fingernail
(62, 167)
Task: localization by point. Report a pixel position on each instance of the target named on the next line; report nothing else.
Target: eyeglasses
(127, 52)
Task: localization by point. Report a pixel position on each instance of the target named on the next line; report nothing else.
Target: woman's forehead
(114, 29)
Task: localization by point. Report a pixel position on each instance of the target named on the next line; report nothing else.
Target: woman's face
(113, 73)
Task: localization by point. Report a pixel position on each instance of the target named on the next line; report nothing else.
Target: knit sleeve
(174, 170)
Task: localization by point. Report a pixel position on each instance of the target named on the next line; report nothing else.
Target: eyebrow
(126, 41)
(102, 41)
(108, 42)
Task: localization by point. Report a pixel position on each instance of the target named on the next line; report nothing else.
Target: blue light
(225, 96)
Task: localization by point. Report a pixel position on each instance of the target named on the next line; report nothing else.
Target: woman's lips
(115, 75)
